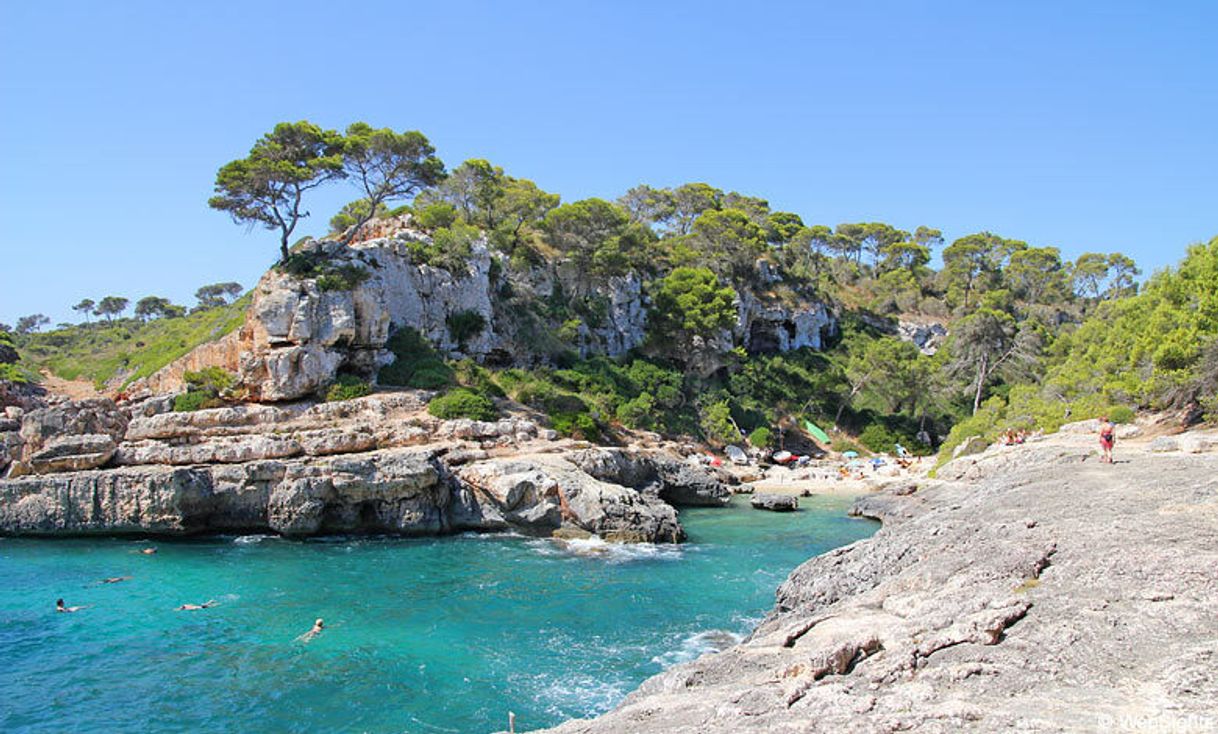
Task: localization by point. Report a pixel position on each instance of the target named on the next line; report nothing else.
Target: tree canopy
(387, 166)
(267, 187)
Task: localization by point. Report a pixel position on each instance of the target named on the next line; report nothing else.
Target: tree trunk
(283, 247)
(981, 370)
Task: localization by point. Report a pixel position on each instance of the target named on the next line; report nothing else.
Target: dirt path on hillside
(74, 389)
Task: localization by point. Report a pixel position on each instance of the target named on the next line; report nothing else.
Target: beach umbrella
(816, 432)
(850, 454)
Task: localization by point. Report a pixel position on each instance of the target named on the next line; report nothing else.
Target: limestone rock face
(374, 464)
(981, 605)
(298, 334)
(544, 491)
(396, 492)
(927, 337)
(72, 436)
(774, 502)
(676, 482)
(766, 328)
(72, 453)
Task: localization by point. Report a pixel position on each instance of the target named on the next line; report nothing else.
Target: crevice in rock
(803, 629)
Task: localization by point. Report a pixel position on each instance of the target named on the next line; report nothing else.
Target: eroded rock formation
(378, 464)
(1045, 592)
(301, 331)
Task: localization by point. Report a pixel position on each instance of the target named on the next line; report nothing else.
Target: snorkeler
(115, 579)
(318, 626)
(195, 607)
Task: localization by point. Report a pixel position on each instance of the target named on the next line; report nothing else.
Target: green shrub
(342, 277)
(347, 387)
(576, 425)
(210, 380)
(878, 438)
(638, 412)
(842, 445)
(716, 422)
(193, 400)
(416, 363)
(469, 373)
(465, 325)
(329, 277)
(1121, 414)
(14, 373)
(435, 216)
(463, 403)
(761, 438)
(204, 389)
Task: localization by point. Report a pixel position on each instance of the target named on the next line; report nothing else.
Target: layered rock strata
(378, 464)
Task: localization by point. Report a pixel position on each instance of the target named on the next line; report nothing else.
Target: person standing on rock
(1107, 438)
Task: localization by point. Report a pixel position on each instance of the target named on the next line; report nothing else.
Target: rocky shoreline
(1030, 588)
(378, 464)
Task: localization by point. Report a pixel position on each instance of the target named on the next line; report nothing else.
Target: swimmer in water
(318, 626)
(148, 551)
(115, 579)
(59, 607)
(195, 607)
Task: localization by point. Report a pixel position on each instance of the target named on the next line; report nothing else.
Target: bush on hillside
(347, 387)
(465, 325)
(576, 425)
(193, 400)
(463, 403)
(204, 389)
(878, 439)
(416, 363)
(761, 438)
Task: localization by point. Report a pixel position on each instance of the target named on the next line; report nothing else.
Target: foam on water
(251, 539)
(696, 645)
(595, 547)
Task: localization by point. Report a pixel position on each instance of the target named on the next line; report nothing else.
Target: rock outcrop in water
(378, 464)
(1044, 592)
(301, 331)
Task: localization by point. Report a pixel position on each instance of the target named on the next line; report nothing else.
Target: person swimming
(59, 607)
(148, 551)
(318, 626)
(115, 579)
(195, 607)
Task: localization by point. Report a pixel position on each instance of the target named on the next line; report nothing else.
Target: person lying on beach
(318, 626)
(115, 579)
(59, 607)
(196, 607)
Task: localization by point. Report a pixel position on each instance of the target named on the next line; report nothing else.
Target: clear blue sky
(1082, 125)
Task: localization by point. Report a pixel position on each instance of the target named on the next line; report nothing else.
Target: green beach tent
(816, 432)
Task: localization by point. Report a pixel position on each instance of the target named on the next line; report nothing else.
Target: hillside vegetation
(1035, 339)
(113, 354)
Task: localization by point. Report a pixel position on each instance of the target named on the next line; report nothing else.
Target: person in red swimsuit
(1107, 438)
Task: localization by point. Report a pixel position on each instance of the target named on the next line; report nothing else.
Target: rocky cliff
(302, 330)
(378, 464)
(1038, 591)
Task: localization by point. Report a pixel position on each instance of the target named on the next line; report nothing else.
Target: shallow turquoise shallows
(437, 635)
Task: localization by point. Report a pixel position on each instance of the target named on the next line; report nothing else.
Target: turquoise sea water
(437, 635)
